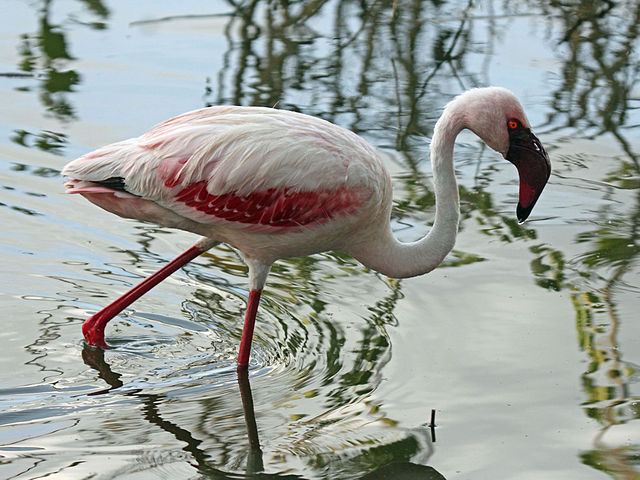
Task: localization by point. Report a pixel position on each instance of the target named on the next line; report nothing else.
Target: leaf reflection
(595, 96)
(384, 70)
(45, 55)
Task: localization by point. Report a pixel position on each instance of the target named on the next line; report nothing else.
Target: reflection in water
(45, 55)
(254, 467)
(334, 58)
(386, 76)
(595, 90)
(594, 97)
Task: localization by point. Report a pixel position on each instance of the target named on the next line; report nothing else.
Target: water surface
(525, 341)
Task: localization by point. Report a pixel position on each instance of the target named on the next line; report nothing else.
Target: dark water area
(525, 341)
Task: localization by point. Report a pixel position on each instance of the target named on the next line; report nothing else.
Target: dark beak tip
(522, 213)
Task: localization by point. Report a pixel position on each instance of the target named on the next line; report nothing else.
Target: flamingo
(275, 184)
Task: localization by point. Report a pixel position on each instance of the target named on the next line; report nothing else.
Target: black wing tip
(114, 183)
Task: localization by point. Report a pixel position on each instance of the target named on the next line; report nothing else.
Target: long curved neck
(399, 260)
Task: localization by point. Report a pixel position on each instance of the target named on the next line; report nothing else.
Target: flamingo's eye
(512, 124)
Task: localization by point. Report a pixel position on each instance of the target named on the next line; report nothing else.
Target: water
(525, 342)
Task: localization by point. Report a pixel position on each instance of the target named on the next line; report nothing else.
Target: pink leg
(247, 331)
(93, 327)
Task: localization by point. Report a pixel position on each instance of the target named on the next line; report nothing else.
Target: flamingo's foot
(93, 333)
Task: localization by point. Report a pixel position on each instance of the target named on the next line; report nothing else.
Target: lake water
(525, 342)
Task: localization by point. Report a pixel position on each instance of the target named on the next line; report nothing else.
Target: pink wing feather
(248, 166)
(283, 207)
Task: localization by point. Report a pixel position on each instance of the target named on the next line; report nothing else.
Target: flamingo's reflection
(94, 358)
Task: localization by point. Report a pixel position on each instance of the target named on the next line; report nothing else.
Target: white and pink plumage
(275, 184)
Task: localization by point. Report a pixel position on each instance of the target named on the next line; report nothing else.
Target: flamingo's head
(497, 117)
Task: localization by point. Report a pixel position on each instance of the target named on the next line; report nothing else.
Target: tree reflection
(339, 59)
(594, 97)
(384, 70)
(45, 54)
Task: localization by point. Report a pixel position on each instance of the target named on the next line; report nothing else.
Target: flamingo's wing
(233, 165)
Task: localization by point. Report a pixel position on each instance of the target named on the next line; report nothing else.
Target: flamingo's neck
(399, 260)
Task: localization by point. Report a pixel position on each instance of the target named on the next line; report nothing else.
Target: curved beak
(530, 158)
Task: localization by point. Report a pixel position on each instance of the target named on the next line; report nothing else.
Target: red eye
(512, 124)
